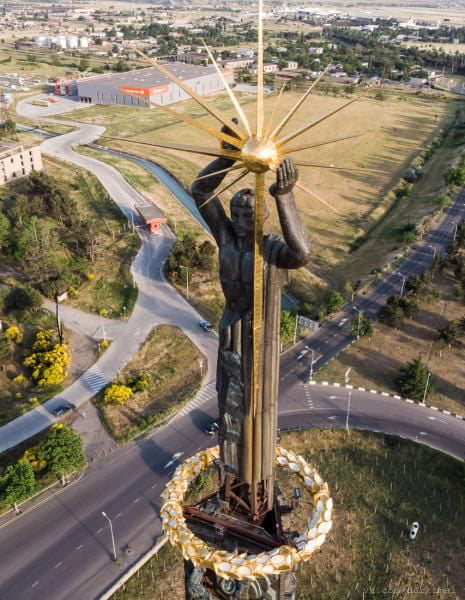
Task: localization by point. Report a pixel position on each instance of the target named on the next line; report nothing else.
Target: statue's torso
(236, 275)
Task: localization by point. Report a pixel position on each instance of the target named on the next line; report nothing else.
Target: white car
(413, 530)
(206, 326)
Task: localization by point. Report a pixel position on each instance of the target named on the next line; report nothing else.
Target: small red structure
(152, 217)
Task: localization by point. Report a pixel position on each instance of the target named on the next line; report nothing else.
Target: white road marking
(118, 515)
(423, 433)
(136, 500)
(35, 583)
(100, 530)
(332, 418)
(58, 565)
(79, 547)
(173, 460)
(436, 419)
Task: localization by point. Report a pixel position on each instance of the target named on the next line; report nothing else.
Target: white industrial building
(62, 41)
(137, 88)
(16, 161)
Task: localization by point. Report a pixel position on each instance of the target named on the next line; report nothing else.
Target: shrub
(23, 298)
(14, 334)
(117, 394)
(48, 361)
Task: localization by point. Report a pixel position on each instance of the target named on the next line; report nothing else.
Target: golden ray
(226, 187)
(307, 191)
(275, 108)
(234, 100)
(182, 148)
(235, 168)
(260, 91)
(219, 135)
(296, 107)
(193, 95)
(291, 149)
(303, 130)
(306, 163)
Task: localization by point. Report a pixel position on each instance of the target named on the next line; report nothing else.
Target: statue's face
(243, 220)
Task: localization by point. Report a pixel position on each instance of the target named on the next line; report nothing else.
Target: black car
(61, 410)
(212, 428)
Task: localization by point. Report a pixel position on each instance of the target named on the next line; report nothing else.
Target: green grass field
(380, 485)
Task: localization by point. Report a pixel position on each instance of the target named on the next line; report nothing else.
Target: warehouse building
(136, 88)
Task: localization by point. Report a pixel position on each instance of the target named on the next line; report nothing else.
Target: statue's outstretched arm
(203, 189)
(295, 253)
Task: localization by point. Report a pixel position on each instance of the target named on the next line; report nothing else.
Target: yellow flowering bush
(19, 379)
(31, 455)
(14, 334)
(117, 394)
(48, 361)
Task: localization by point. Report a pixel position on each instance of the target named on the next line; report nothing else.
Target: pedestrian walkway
(207, 393)
(95, 380)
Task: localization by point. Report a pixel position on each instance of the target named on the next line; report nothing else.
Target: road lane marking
(118, 515)
(136, 500)
(79, 547)
(173, 460)
(34, 584)
(58, 565)
(100, 530)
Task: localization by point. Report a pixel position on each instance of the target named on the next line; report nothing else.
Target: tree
(287, 326)
(18, 483)
(361, 326)
(413, 379)
(333, 302)
(349, 290)
(205, 256)
(62, 449)
(450, 334)
(443, 201)
(22, 298)
(414, 284)
(6, 350)
(4, 229)
(391, 315)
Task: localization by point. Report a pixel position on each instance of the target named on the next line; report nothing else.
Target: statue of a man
(235, 238)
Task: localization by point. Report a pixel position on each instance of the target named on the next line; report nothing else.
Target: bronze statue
(235, 239)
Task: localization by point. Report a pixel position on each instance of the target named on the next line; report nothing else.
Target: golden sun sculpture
(257, 150)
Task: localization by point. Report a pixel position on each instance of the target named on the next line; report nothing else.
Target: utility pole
(455, 229)
(347, 379)
(426, 386)
(187, 280)
(359, 320)
(404, 278)
(115, 557)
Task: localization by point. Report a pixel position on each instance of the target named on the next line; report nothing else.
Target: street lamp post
(404, 278)
(187, 279)
(295, 328)
(359, 320)
(348, 412)
(435, 251)
(311, 365)
(426, 386)
(103, 328)
(455, 229)
(115, 558)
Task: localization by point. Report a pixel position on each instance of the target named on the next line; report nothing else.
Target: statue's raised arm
(202, 190)
(295, 252)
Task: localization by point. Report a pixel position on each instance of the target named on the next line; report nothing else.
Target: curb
(386, 395)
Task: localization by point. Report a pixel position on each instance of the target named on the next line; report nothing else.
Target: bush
(22, 298)
(48, 361)
(117, 394)
(14, 334)
(62, 450)
(413, 379)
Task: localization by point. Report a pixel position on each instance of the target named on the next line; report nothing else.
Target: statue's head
(242, 212)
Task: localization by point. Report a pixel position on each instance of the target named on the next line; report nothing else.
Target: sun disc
(260, 156)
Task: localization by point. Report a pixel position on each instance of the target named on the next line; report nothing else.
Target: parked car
(212, 428)
(61, 410)
(413, 530)
(206, 325)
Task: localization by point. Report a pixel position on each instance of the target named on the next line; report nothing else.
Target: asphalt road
(62, 549)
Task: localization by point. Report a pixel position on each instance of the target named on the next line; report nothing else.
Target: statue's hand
(286, 178)
(225, 129)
